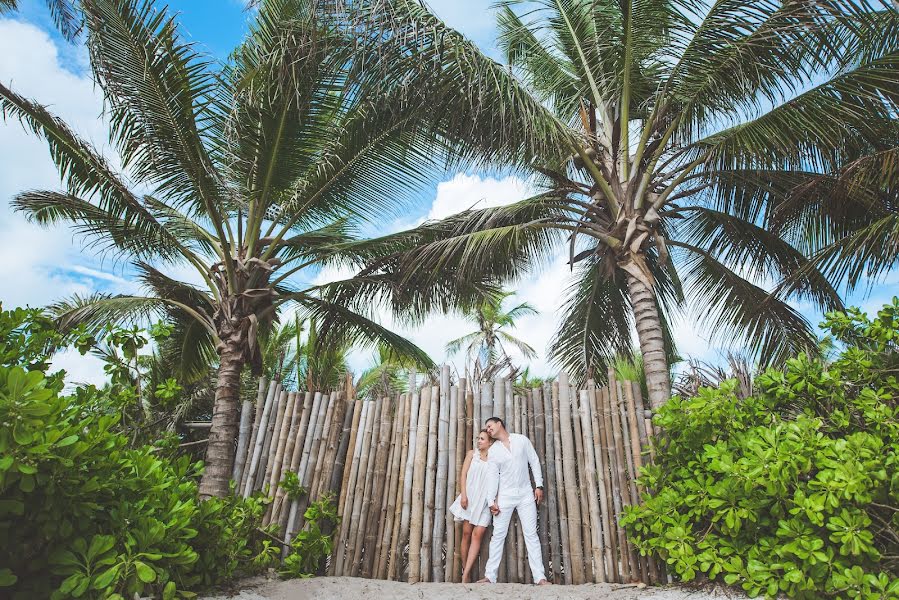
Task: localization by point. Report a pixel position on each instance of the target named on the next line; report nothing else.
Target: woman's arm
(463, 484)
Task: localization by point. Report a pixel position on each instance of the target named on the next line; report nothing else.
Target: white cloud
(36, 263)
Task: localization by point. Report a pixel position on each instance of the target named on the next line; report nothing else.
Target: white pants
(524, 503)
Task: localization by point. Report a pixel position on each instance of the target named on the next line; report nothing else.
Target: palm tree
(484, 346)
(249, 174)
(388, 373)
(662, 136)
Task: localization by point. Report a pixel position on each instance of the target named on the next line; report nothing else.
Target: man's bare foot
(484, 580)
(466, 578)
(544, 582)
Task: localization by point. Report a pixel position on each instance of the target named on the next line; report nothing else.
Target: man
(510, 488)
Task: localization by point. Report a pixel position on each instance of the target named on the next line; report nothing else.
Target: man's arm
(534, 462)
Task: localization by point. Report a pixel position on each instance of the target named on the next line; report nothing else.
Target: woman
(472, 506)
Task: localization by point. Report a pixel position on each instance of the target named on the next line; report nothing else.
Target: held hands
(494, 509)
(464, 501)
(538, 496)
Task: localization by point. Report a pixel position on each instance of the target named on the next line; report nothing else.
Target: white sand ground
(351, 588)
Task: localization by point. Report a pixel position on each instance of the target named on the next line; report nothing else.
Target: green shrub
(794, 490)
(311, 545)
(83, 515)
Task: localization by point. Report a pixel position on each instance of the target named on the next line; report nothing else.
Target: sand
(351, 588)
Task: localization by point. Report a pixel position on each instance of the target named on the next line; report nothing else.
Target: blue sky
(38, 266)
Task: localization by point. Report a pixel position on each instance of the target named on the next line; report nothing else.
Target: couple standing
(495, 483)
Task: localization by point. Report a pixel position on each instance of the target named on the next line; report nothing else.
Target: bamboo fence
(392, 466)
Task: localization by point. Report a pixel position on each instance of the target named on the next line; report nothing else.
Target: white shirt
(508, 467)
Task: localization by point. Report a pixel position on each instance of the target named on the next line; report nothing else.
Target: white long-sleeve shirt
(508, 468)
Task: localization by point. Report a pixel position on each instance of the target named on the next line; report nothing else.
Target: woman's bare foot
(484, 580)
(544, 582)
(466, 578)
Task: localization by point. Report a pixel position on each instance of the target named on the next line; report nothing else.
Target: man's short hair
(496, 420)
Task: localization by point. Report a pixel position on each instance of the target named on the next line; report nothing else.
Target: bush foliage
(794, 490)
(84, 515)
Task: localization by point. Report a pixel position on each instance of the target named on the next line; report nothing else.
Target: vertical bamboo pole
(499, 403)
(278, 458)
(430, 482)
(631, 488)
(339, 475)
(599, 562)
(440, 485)
(273, 423)
(363, 490)
(451, 483)
(477, 415)
(408, 480)
(307, 462)
(316, 468)
(405, 432)
(260, 406)
(385, 529)
(331, 444)
(243, 436)
(611, 477)
(465, 433)
(349, 495)
(562, 505)
(553, 570)
(281, 504)
(619, 483)
(418, 487)
(644, 425)
(260, 439)
(535, 406)
(578, 435)
(576, 547)
(283, 454)
(374, 506)
(602, 480)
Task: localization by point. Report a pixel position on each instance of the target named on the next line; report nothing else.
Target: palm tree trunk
(220, 449)
(652, 342)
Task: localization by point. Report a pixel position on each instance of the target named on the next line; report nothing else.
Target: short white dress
(478, 511)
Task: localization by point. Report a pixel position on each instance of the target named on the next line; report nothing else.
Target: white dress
(478, 511)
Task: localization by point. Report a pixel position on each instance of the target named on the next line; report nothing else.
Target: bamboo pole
(418, 487)
(611, 479)
(602, 480)
(450, 487)
(619, 482)
(644, 425)
(260, 439)
(260, 407)
(535, 405)
(499, 403)
(286, 422)
(349, 498)
(551, 488)
(243, 437)
(345, 437)
(465, 432)
(271, 442)
(385, 527)
(408, 479)
(317, 467)
(288, 425)
(589, 463)
(442, 439)
(315, 417)
(631, 489)
(430, 486)
(364, 490)
(578, 435)
(332, 443)
(576, 548)
(407, 431)
(373, 508)
(281, 503)
(348, 442)
(562, 504)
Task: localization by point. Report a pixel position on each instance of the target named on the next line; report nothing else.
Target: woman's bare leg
(476, 535)
(466, 543)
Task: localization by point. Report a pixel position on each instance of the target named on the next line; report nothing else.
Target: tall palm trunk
(220, 449)
(652, 341)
